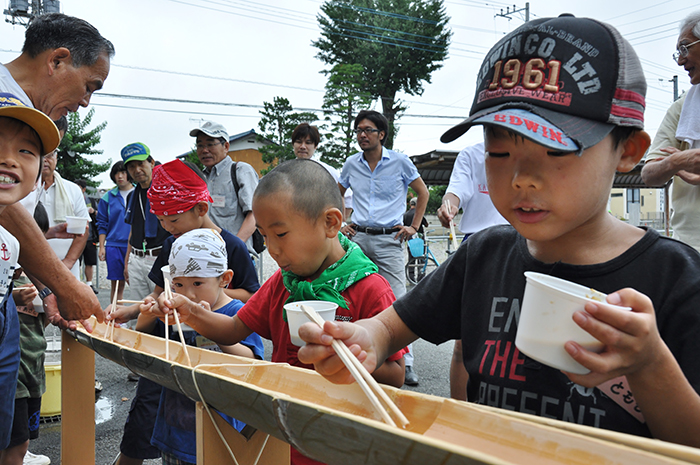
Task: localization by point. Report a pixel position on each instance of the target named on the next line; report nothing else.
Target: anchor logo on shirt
(5, 253)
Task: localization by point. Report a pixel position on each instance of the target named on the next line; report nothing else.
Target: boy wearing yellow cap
(26, 135)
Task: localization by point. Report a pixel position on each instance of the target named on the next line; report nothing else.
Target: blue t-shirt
(244, 276)
(174, 431)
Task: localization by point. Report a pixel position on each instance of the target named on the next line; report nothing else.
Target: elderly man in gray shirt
(231, 210)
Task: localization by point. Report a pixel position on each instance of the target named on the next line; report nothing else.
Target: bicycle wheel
(415, 269)
(430, 265)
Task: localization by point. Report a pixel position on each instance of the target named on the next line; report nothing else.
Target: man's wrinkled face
(69, 88)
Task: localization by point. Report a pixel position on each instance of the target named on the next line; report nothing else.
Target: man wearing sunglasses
(675, 151)
(380, 178)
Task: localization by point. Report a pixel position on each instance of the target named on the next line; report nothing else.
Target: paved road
(112, 404)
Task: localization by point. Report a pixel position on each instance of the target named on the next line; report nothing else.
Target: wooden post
(211, 451)
(77, 402)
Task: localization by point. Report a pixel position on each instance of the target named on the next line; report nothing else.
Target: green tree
(277, 124)
(345, 96)
(77, 142)
(399, 44)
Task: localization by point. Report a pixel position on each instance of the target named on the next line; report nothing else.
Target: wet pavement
(112, 403)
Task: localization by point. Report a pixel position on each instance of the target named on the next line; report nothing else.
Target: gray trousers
(388, 254)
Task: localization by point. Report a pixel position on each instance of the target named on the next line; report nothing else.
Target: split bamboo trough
(337, 425)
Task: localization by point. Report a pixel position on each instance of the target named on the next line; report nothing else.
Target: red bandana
(175, 189)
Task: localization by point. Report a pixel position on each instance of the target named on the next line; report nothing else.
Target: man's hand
(103, 254)
(404, 233)
(445, 215)
(348, 230)
(55, 318)
(59, 232)
(77, 301)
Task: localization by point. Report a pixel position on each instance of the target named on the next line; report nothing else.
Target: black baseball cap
(562, 82)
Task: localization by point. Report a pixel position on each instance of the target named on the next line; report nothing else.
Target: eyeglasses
(208, 146)
(682, 51)
(367, 131)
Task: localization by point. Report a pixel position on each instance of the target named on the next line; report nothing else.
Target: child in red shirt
(297, 208)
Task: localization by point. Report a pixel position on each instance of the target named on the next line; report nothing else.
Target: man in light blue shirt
(380, 178)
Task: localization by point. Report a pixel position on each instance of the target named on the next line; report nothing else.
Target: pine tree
(80, 141)
(345, 96)
(399, 44)
(277, 124)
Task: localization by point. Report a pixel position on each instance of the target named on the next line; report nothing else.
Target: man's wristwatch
(45, 292)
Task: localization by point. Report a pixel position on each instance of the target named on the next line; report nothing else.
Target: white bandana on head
(200, 253)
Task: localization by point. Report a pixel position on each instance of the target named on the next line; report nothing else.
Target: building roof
(436, 167)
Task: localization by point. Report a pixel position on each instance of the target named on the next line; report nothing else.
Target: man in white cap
(232, 208)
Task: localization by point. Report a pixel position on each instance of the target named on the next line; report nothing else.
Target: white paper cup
(296, 317)
(38, 304)
(166, 274)
(76, 224)
(546, 322)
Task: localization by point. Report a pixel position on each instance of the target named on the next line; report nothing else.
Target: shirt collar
(223, 164)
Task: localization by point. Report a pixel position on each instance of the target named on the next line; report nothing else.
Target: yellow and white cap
(12, 107)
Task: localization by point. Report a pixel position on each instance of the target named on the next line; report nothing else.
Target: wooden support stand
(211, 451)
(77, 403)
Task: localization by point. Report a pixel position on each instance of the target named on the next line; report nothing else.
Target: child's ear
(202, 208)
(226, 279)
(633, 149)
(333, 222)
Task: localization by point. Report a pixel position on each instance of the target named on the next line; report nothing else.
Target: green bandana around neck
(351, 268)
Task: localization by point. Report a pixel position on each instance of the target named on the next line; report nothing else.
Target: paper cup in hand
(75, 224)
(296, 317)
(546, 322)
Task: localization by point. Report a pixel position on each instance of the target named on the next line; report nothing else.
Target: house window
(633, 196)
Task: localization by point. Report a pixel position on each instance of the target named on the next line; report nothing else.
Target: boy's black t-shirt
(475, 295)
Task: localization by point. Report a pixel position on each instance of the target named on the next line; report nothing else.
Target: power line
(229, 104)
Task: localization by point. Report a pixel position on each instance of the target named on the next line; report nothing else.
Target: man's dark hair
(313, 189)
(81, 183)
(305, 130)
(377, 118)
(116, 168)
(62, 124)
(55, 30)
(195, 168)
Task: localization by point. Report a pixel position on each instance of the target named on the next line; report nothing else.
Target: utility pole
(22, 11)
(675, 87)
(508, 12)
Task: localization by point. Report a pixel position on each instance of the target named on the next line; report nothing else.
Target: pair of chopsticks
(369, 385)
(455, 244)
(169, 295)
(109, 333)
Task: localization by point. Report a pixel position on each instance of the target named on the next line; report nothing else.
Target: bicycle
(421, 260)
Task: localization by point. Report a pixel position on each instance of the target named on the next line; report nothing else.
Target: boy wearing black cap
(561, 101)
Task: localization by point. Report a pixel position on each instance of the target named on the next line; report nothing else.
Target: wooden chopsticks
(169, 296)
(369, 385)
(455, 244)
